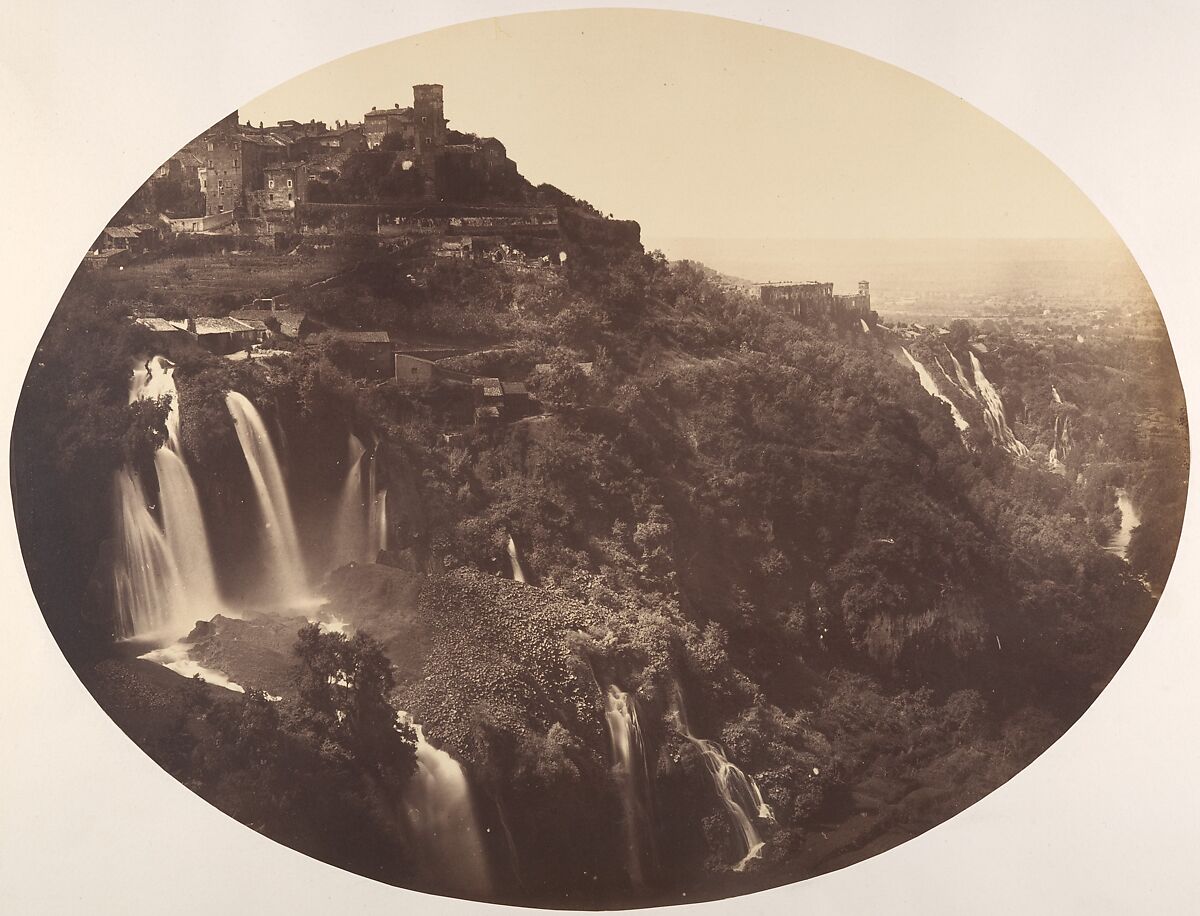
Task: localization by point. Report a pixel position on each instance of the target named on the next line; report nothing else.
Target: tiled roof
(220, 326)
(289, 322)
(389, 112)
(156, 324)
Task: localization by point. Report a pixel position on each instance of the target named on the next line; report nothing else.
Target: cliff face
(585, 230)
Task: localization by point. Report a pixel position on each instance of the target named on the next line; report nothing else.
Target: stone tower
(429, 120)
(864, 295)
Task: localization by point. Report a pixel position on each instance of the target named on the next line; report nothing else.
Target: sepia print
(425, 515)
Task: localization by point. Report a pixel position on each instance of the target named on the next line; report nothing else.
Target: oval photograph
(600, 459)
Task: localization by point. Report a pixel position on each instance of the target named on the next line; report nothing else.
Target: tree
(345, 686)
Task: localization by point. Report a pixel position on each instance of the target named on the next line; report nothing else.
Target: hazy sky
(701, 127)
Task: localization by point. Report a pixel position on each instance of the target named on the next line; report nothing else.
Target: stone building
(364, 354)
(222, 335)
(284, 186)
(235, 158)
(429, 120)
(814, 299)
(382, 122)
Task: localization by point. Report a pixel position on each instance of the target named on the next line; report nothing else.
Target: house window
(270, 182)
(210, 146)
(289, 182)
(235, 165)
(429, 140)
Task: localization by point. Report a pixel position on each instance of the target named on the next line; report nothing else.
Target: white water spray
(377, 509)
(164, 574)
(930, 385)
(1119, 544)
(284, 561)
(738, 792)
(633, 780)
(147, 589)
(349, 527)
(993, 413)
(442, 814)
(183, 524)
(153, 380)
(360, 524)
(514, 559)
(963, 382)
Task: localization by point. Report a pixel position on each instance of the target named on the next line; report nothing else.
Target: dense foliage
(763, 528)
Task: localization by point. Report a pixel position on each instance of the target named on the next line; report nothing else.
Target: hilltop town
(366, 400)
(238, 240)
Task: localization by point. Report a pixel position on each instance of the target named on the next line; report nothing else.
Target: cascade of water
(164, 575)
(1119, 543)
(963, 382)
(866, 327)
(148, 591)
(946, 375)
(518, 573)
(443, 815)
(152, 380)
(994, 415)
(930, 385)
(1055, 459)
(350, 535)
(360, 525)
(1056, 395)
(381, 521)
(183, 524)
(376, 510)
(633, 778)
(285, 564)
(738, 792)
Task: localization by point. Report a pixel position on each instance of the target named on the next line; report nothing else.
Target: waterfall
(866, 327)
(518, 573)
(148, 591)
(633, 779)
(349, 528)
(1062, 443)
(930, 385)
(183, 524)
(360, 525)
(442, 814)
(1119, 543)
(1054, 393)
(376, 510)
(993, 413)
(963, 382)
(946, 375)
(1055, 459)
(164, 574)
(380, 516)
(155, 379)
(738, 792)
(285, 565)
